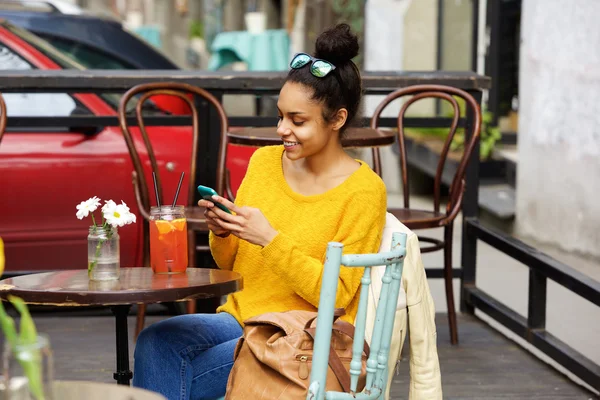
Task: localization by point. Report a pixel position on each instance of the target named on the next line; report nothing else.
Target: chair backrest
(449, 94)
(3, 117)
(384, 321)
(140, 178)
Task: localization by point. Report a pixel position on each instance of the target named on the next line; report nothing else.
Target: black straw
(178, 187)
(156, 189)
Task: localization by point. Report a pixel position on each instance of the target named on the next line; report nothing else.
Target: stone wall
(558, 179)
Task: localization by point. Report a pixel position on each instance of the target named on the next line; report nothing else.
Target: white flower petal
(108, 207)
(85, 207)
(93, 203)
(124, 206)
(81, 214)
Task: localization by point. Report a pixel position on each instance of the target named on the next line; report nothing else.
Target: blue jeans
(188, 356)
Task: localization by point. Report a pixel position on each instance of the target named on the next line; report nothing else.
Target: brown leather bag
(273, 358)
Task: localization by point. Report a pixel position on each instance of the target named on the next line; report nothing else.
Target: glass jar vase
(103, 253)
(28, 370)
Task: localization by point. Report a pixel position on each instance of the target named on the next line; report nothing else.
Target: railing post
(209, 126)
(470, 209)
(536, 310)
(208, 143)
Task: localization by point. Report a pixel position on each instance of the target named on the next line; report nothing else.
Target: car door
(46, 172)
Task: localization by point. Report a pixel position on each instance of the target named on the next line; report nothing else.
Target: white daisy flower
(86, 207)
(117, 215)
(108, 206)
(130, 216)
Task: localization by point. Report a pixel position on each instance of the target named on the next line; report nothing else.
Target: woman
(295, 198)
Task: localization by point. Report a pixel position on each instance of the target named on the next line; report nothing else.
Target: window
(68, 62)
(32, 104)
(88, 57)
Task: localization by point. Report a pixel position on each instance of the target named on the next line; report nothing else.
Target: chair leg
(140, 320)
(448, 281)
(191, 306)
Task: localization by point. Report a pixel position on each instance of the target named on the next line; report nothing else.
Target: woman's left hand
(248, 223)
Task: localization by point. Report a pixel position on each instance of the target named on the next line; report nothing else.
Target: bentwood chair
(3, 117)
(145, 161)
(377, 362)
(422, 219)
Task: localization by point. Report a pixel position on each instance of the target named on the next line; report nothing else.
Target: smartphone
(207, 193)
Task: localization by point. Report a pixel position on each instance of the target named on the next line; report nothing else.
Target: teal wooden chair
(377, 363)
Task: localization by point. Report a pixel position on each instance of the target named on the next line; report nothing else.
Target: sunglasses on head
(319, 68)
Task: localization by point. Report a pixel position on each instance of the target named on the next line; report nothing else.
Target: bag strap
(338, 369)
(348, 329)
(338, 312)
(343, 328)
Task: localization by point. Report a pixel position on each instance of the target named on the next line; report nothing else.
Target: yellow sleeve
(360, 231)
(223, 250)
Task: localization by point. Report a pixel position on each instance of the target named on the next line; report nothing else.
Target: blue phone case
(207, 193)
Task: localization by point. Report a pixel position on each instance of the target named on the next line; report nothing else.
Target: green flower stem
(93, 219)
(93, 263)
(108, 230)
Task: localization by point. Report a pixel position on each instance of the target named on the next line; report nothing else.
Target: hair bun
(337, 45)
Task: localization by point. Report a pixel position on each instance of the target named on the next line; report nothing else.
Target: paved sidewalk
(484, 366)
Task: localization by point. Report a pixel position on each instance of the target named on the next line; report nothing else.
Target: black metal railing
(541, 268)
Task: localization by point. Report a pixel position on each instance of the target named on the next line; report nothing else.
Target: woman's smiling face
(301, 124)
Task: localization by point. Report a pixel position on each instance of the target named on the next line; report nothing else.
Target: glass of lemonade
(168, 240)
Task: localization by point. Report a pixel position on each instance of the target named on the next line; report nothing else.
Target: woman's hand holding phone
(211, 219)
(248, 223)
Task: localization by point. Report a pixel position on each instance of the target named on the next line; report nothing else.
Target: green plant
(488, 137)
(196, 29)
(487, 140)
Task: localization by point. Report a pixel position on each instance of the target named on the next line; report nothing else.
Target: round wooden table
(355, 137)
(135, 285)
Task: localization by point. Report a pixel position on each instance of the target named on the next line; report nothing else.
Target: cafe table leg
(123, 374)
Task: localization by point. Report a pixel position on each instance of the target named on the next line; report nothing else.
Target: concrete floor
(485, 366)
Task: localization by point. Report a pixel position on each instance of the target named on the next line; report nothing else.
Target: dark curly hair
(341, 88)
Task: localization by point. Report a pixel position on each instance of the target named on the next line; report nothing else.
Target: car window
(88, 57)
(67, 62)
(32, 104)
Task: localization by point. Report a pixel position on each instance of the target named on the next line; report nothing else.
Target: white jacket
(415, 306)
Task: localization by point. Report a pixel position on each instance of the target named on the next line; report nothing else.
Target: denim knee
(145, 342)
(151, 341)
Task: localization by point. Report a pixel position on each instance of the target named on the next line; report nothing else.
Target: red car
(45, 173)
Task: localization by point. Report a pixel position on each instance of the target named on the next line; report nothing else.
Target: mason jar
(103, 253)
(168, 240)
(28, 370)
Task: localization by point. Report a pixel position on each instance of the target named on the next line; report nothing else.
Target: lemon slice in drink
(165, 227)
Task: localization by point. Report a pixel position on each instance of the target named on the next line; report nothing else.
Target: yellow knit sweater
(286, 274)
